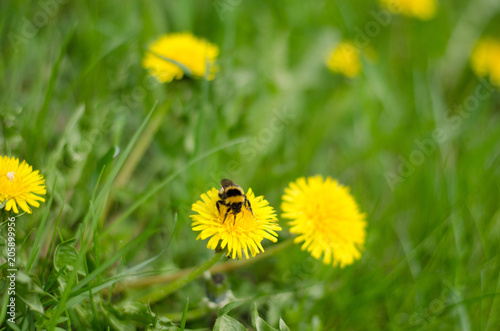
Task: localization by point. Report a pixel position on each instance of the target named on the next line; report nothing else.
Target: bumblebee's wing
(227, 183)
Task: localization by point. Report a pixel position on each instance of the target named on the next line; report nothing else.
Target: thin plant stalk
(220, 268)
(141, 146)
(180, 282)
(137, 153)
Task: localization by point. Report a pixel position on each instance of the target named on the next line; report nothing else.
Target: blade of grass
(3, 312)
(141, 146)
(91, 296)
(184, 314)
(49, 250)
(36, 244)
(96, 236)
(49, 285)
(121, 160)
(42, 114)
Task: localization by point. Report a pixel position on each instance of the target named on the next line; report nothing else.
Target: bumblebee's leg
(249, 206)
(217, 204)
(220, 202)
(227, 212)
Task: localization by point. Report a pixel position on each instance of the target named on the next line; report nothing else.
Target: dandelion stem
(225, 267)
(180, 282)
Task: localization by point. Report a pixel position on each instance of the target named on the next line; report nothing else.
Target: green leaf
(13, 326)
(258, 322)
(4, 301)
(184, 314)
(283, 326)
(104, 164)
(227, 323)
(230, 306)
(108, 157)
(141, 313)
(66, 256)
(26, 291)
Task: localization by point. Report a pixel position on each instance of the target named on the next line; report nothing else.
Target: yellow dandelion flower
(20, 185)
(344, 59)
(326, 219)
(485, 59)
(241, 234)
(421, 9)
(172, 54)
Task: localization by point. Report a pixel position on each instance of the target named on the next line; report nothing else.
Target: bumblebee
(233, 197)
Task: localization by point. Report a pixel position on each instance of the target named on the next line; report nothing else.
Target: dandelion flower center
(326, 219)
(240, 233)
(11, 175)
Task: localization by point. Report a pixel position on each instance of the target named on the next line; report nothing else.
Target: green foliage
(417, 146)
(226, 323)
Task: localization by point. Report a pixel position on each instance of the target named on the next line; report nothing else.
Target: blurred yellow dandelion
(20, 185)
(191, 53)
(485, 59)
(326, 219)
(239, 234)
(422, 9)
(344, 59)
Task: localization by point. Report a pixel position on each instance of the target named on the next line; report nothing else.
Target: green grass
(73, 90)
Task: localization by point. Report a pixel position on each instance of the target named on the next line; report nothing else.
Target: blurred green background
(73, 88)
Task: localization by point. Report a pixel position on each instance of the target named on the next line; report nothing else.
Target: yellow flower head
(195, 56)
(422, 9)
(240, 234)
(344, 59)
(19, 185)
(485, 59)
(326, 218)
